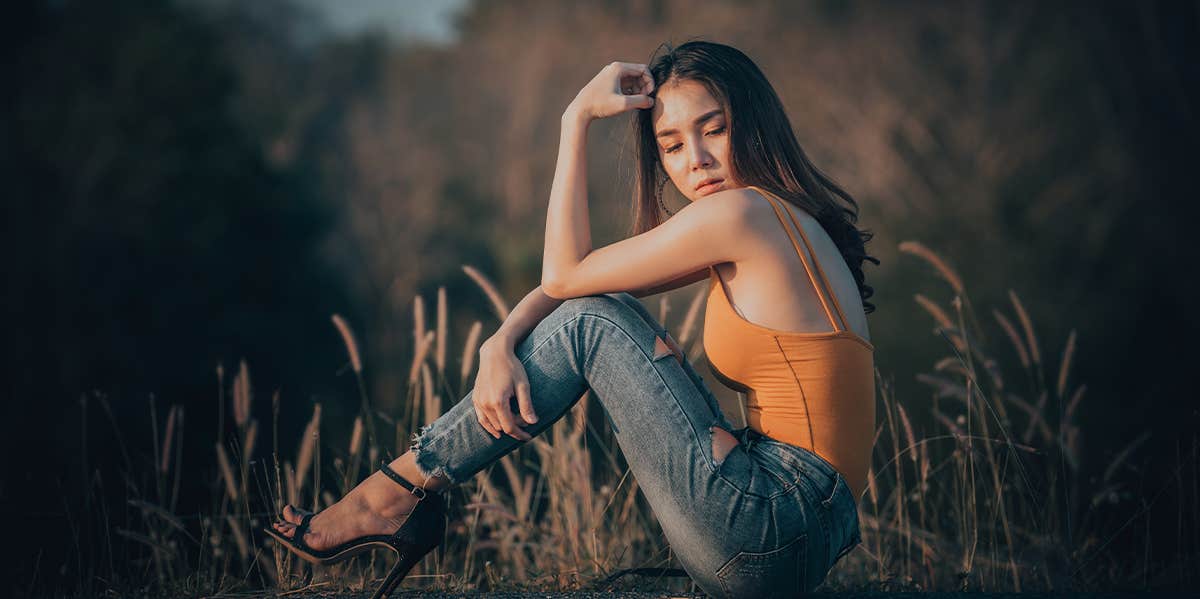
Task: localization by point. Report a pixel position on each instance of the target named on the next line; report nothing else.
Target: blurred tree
(148, 237)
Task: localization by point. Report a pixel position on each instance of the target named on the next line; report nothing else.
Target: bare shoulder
(738, 199)
(724, 218)
(730, 207)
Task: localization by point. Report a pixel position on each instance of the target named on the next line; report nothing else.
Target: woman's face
(691, 132)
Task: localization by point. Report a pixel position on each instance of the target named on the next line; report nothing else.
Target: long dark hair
(764, 149)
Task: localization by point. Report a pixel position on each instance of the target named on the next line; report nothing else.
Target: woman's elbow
(553, 289)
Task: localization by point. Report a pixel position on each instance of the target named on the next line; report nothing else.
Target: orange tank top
(813, 390)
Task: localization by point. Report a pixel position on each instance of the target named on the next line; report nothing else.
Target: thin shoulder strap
(819, 280)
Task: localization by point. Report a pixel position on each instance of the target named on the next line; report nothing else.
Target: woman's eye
(675, 147)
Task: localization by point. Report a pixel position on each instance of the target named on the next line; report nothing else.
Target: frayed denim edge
(422, 459)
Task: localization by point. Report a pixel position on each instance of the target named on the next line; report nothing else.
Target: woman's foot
(377, 506)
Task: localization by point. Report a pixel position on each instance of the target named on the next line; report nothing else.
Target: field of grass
(990, 500)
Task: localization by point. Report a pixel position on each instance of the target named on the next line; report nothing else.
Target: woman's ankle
(383, 496)
(406, 467)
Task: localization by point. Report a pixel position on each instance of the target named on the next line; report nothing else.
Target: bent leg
(712, 498)
(663, 416)
(563, 353)
(723, 441)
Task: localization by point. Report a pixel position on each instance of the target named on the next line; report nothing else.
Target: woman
(762, 510)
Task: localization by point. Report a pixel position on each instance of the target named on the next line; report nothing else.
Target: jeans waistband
(752, 437)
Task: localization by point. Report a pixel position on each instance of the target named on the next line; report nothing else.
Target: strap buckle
(418, 492)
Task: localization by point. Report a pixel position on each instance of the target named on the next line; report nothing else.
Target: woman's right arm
(535, 306)
(501, 375)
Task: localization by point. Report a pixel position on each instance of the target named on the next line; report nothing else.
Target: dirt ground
(657, 595)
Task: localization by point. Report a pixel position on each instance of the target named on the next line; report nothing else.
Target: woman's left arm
(618, 87)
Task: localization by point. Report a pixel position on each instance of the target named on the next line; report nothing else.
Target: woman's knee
(633, 303)
(605, 304)
(625, 312)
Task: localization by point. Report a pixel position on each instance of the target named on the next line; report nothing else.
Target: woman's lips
(709, 187)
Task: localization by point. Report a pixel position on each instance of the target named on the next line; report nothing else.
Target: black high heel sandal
(421, 531)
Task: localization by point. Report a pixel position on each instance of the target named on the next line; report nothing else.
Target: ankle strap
(415, 490)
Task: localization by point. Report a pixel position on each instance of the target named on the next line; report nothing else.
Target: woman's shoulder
(736, 200)
(726, 215)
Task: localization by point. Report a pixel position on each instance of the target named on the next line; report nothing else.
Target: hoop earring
(659, 193)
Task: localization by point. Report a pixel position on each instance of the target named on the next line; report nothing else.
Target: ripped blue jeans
(769, 519)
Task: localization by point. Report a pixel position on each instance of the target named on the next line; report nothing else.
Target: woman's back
(772, 288)
(808, 375)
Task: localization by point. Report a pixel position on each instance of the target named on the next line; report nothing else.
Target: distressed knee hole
(723, 442)
(661, 349)
(665, 347)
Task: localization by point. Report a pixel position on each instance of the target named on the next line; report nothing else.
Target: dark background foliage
(194, 183)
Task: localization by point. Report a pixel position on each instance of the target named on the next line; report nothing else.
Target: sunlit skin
(691, 151)
(762, 286)
(691, 133)
(747, 245)
(376, 506)
(695, 237)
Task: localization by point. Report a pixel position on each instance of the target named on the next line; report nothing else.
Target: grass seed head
(349, 341)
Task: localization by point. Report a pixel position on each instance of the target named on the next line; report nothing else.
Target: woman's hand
(502, 376)
(617, 88)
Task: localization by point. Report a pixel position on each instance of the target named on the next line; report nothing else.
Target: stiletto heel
(399, 571)
(420, 533)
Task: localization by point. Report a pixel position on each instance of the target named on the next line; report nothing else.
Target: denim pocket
(776, 573)
(826, 489)
(842, 512)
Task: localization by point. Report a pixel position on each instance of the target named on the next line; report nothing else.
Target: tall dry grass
(977, 489)
(988, 495)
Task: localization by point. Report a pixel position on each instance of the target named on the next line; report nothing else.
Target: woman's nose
(701, 159)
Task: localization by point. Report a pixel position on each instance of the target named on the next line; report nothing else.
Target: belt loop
(751, 438)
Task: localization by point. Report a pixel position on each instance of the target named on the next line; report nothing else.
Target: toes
(287, 529)
(293, 514)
